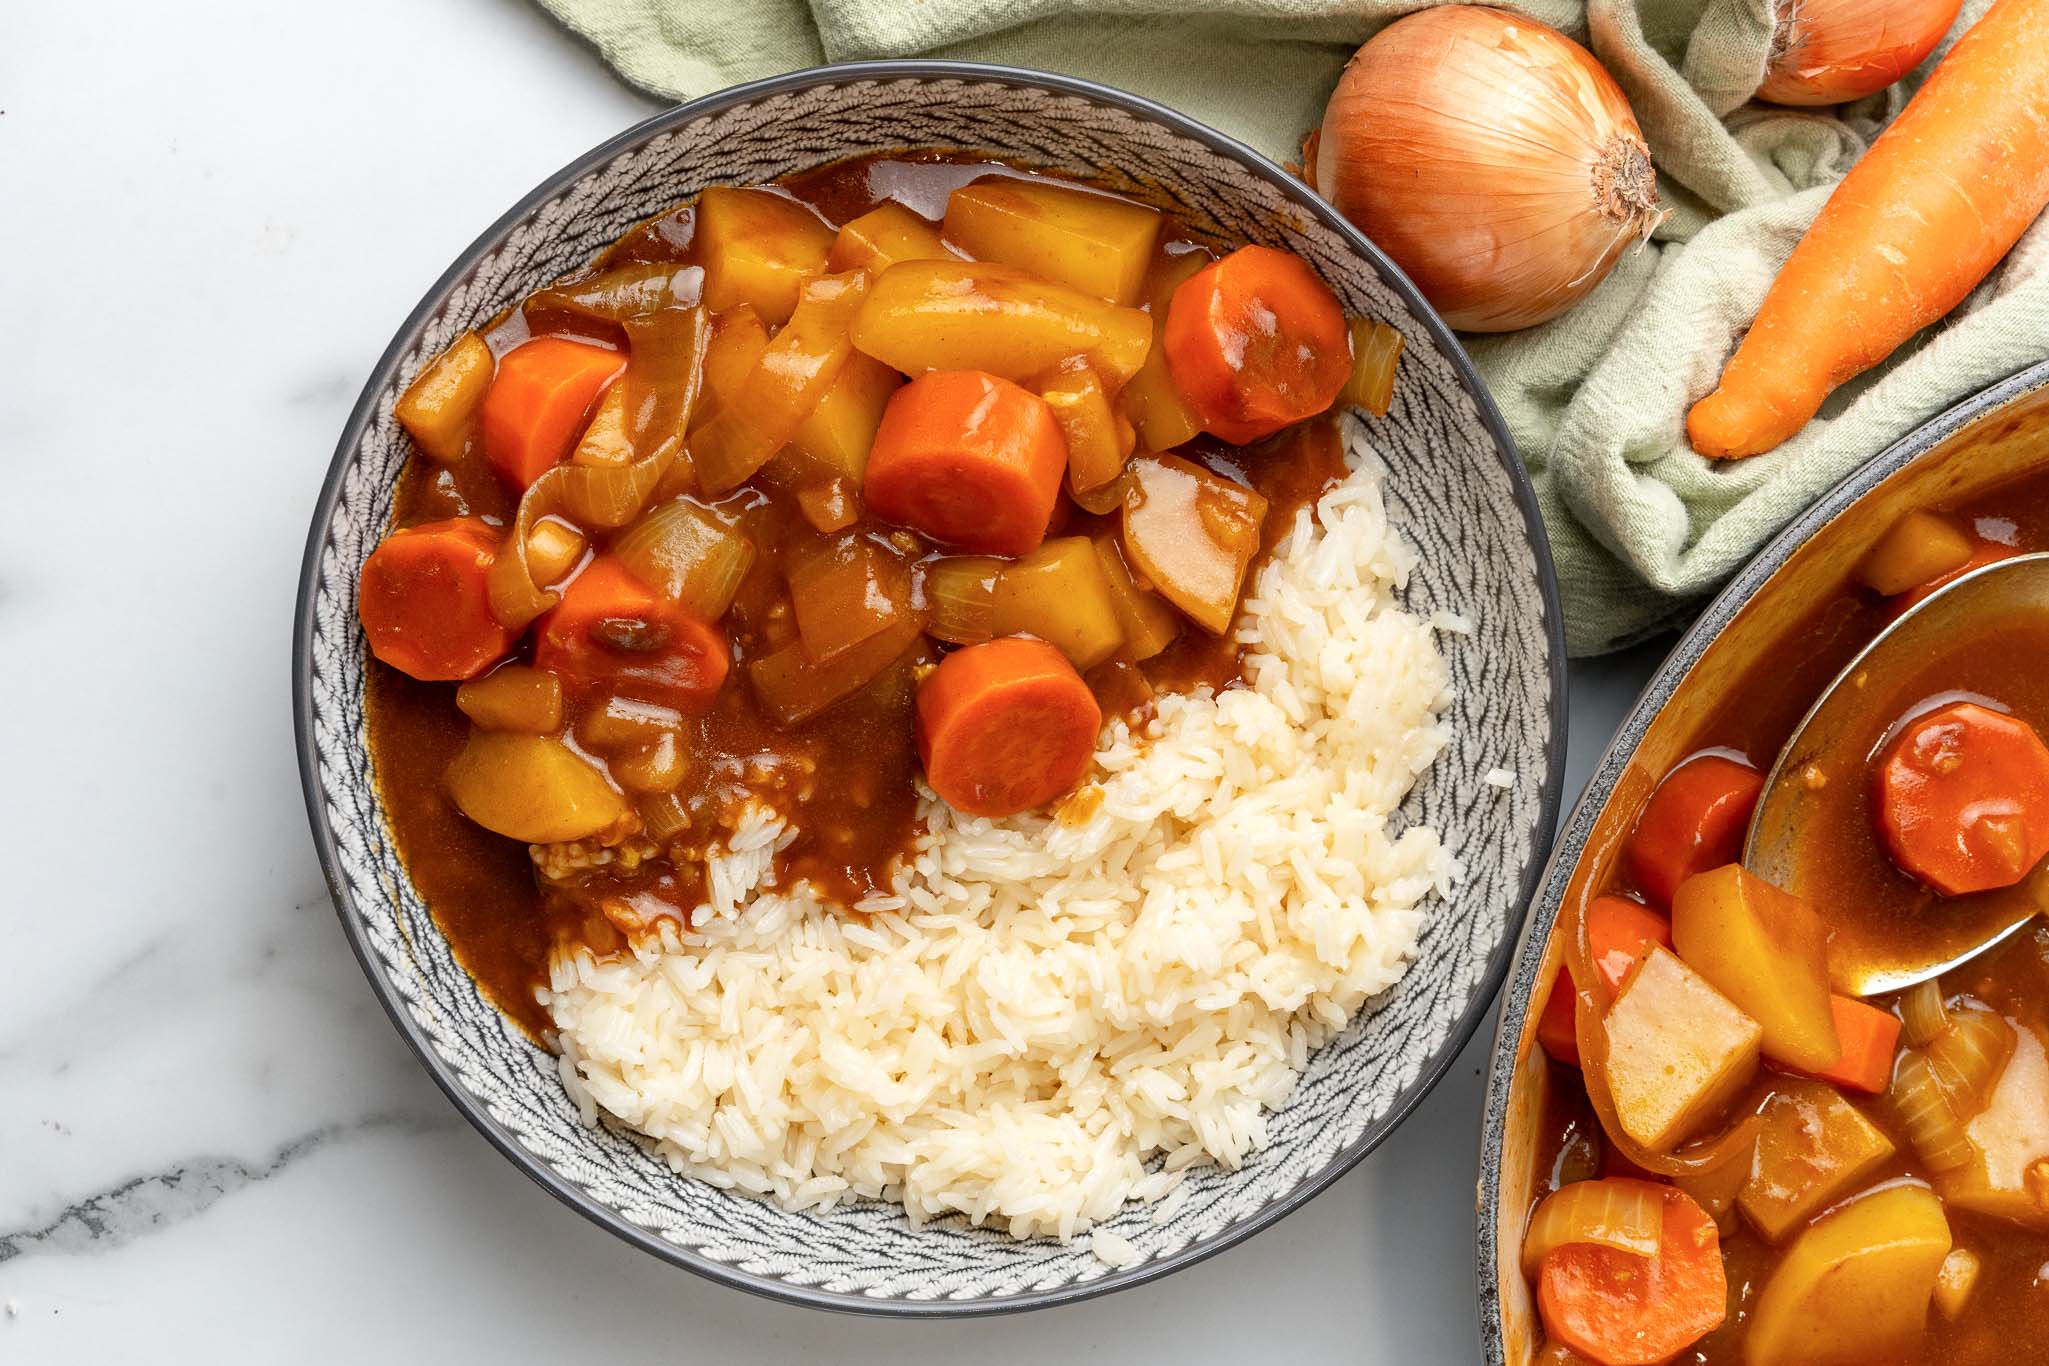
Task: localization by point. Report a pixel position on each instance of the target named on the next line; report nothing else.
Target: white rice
(1046, 1021)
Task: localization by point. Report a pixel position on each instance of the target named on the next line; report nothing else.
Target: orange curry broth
(2007, 1317)
(844, 779)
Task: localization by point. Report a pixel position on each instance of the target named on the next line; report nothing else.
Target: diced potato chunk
(757, 247)
(533, 789)
(515, 697)
(1097, 445)
(958, 315)
(1149, 625)
(841, 428)
(1096, 243)
(1813, 1148)
(1678, 1051)
(1918, 548)
(885, 235)
(1956, 1280)
(1192, 534)
(437, 409)
(1854, 1288)
(1767, 951)
(2009, 1139)
(1058, 594)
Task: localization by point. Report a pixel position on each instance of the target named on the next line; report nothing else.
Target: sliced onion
(1628, 1216)
(1924, 1013)
(663, 375)
(1925, 1114)
(1376, 351)
(689, 552)
(627, 292)
(1966, 1059)
(591, 496)
(960, 592)
(664, 816)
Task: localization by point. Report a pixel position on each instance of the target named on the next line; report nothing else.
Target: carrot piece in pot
(425, 600)
(1696, 820)
(1869, 1037)
(969, 459)
(1620, 1309)
(1963, 798)
(1620, 932)
(1005, 726)
(540, 402)
(1255, 342)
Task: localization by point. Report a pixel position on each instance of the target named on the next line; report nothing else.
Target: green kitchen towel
(1641, 527)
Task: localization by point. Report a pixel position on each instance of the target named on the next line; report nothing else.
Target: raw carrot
(1869, 1036)
(612, 634)
(1005, 726)
(1620, 932)
(425, 600)
(1621, 1309)
(1695, 821)
(539, 403)
(969, 459)
(1963, 798)
(1916, 224)
(1255, 342)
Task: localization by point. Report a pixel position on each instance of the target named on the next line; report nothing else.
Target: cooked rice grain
(1045, 1022)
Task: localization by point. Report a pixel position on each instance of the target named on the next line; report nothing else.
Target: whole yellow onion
(1492, 158)
(1828, 51)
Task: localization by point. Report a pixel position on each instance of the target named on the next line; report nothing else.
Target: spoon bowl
(1877, 945)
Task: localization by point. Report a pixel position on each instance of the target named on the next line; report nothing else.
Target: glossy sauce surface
(845, 780)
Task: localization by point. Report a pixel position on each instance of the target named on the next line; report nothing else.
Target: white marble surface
(213, 217)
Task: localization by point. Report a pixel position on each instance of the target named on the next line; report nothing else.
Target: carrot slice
(540, 402)
(1620, 1309)
(1695, 821)
(1963, 798)
(1255, 342)
(425, 600)
(1005, 726)
(612, 634)
(1620, 931)
(969, 459)
(1869, 1036)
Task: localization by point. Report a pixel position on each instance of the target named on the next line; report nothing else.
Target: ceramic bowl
(1457, 491)
(1983, 442)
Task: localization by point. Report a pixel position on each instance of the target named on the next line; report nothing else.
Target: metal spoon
(1866, 957)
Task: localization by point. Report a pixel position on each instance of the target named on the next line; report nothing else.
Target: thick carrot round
(1620, 1309)
(1868, 1036)
(1255, 342)
(1916, 224)
(1695, 821)
(611, 634)
(1005, 726)
(1963, 798)
(425, 600)
(969, 459)
(1620, 931)
(540, 402)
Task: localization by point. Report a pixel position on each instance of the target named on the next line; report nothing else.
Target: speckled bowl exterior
(1456, 490)
(1999, 434)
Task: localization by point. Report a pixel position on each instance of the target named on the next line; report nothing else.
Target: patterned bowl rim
(1621, 748)
(472, 1109)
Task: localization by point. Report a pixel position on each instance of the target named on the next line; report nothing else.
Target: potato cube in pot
(1919, 548)
(2008, 1174)
(1058, 593)
(758, 248)
(1813, 1149)
(839, 431)
(1095, 242)
(439, 409)
(885, 235)
(1767, 951)
(513, 697)
(534, 789)
(1192, 534)
(1678, 1051)
(1854, 1288)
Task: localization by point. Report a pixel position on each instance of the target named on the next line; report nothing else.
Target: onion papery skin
(1829, 51)
(1492, 158)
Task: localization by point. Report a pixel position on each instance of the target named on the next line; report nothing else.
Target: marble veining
(210, 1137)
